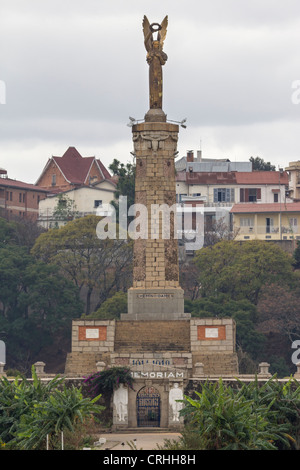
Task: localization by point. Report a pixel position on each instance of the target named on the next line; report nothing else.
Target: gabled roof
(256, 207)
(75, 168)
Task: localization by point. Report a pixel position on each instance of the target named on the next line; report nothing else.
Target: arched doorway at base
(148, 407)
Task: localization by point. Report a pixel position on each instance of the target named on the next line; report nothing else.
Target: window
(98, 203)
(53, 180)
(250, 194)
(269, 225)
(246, 222)
(10, 196)
(293, 222)
(223, 195)
(20, 197)
(275, 197)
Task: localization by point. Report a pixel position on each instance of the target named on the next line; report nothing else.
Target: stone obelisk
(156, 293)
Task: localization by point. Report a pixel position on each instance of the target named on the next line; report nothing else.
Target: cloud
(74, 71)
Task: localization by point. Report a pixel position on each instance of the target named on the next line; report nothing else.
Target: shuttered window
(223, 194)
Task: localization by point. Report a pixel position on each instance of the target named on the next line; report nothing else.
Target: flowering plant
(106, 381)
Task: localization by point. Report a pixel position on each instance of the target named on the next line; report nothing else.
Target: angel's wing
(163, 32)
(147, 34)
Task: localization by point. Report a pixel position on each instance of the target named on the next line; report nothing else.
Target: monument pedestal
(155, 304)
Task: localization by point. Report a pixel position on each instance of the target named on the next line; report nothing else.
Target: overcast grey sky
(75, 70)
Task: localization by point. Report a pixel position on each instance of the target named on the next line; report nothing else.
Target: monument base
(155, 304)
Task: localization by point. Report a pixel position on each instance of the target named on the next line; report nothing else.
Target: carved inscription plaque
(155, 296)
(210, 332)
(89, 333)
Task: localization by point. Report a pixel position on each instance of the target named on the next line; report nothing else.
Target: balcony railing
(266, 229)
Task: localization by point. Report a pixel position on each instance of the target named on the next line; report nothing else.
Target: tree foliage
(125, 184)
(278, 309)
(64, 210)
(94, 265)
(258, 164)
(239, 270)
(36, 302)
(112, 307)
(296, 256)
(125, 180)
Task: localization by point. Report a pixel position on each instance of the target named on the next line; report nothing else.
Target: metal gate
(148, 407)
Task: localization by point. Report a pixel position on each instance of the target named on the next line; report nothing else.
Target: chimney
(199, 155)
(190, 156)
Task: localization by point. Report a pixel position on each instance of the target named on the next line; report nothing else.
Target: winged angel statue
(156, 58)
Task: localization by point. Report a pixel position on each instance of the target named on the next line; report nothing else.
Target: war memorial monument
(163, 346)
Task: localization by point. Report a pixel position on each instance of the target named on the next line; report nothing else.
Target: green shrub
(31, 410)
(243, 418)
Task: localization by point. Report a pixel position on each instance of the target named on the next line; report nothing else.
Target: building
(84, 200)
(224, 183)
(211, 188)
(293, 171)
(274, 221)
(84, 181)
(19, 199)
(71, 171)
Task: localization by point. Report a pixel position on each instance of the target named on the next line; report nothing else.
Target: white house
(85, 200)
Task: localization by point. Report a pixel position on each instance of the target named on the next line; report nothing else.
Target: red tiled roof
(9, 183)
(261, 177)
(218, 177)
(271, 207)
(74, 167)
(234, 177)
(105, 172)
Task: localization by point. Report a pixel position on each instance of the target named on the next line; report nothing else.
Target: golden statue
(156, 58)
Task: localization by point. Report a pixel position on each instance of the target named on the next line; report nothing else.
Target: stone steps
(145, 430)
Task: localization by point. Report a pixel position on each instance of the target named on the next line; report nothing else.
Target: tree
(296, 256)
(20, 231)
(125, 184)
(278, 309)
(258, 164)
(112, 307)
(36, 304)
(94, 265)
(218, 230)
(240, 269)
(64, 210)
